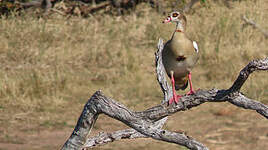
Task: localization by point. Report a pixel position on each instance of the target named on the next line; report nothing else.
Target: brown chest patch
(181, 58)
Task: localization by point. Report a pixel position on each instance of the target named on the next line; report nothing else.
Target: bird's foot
(175, 99)
(192, 92)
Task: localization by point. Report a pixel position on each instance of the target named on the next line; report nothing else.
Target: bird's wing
(195, 46)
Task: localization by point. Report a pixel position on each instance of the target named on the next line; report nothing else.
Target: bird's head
(178, 18)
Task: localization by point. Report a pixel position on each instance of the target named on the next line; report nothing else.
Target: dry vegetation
(49, 67)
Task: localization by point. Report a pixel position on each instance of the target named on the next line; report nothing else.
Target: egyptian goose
(179, 56)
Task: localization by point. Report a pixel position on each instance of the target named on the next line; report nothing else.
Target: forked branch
(148, 123)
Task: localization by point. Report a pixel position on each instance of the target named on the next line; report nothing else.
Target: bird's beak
(167, 20)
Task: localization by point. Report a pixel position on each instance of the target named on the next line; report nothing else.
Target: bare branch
(252, 23)
(44, 4)
(148, 123)
(244, 74)
(139, 121)
(160, 70)
(104, 138)
(244, 102)
(31, 4)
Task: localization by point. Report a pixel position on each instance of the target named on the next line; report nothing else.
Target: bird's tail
(181, 84)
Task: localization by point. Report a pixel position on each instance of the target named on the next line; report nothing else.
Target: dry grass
(49, 68)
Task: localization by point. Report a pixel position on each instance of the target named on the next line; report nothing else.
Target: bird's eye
(175, 14)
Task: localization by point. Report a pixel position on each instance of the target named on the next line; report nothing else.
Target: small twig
(99, 6)
(58, 11)
(252, 23)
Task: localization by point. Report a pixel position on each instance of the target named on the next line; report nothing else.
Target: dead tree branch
(104, 138)
(140, 121)
(160, 71)
(148, 123)
(32, 4)
(252, 23)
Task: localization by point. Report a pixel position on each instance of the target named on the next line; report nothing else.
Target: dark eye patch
(175, 14)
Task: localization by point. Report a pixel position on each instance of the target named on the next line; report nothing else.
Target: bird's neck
(180, 29)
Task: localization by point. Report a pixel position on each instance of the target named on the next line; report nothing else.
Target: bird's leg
(191, 85)
(175, 96)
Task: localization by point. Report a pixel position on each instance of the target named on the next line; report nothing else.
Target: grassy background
(50, 67)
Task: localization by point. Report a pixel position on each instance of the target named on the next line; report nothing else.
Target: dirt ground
(220, 126)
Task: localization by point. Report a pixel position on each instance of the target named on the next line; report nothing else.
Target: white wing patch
(195, 46)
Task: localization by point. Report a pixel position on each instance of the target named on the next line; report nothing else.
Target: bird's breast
(171, 63)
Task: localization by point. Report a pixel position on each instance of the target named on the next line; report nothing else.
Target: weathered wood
(142, 122)
(148, 123)
(161, 73)
(105, 138)
(32, 4)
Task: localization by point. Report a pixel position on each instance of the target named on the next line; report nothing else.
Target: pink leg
(175, 96)
(191, 85)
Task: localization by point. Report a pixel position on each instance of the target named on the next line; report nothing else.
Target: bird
(179, 56)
